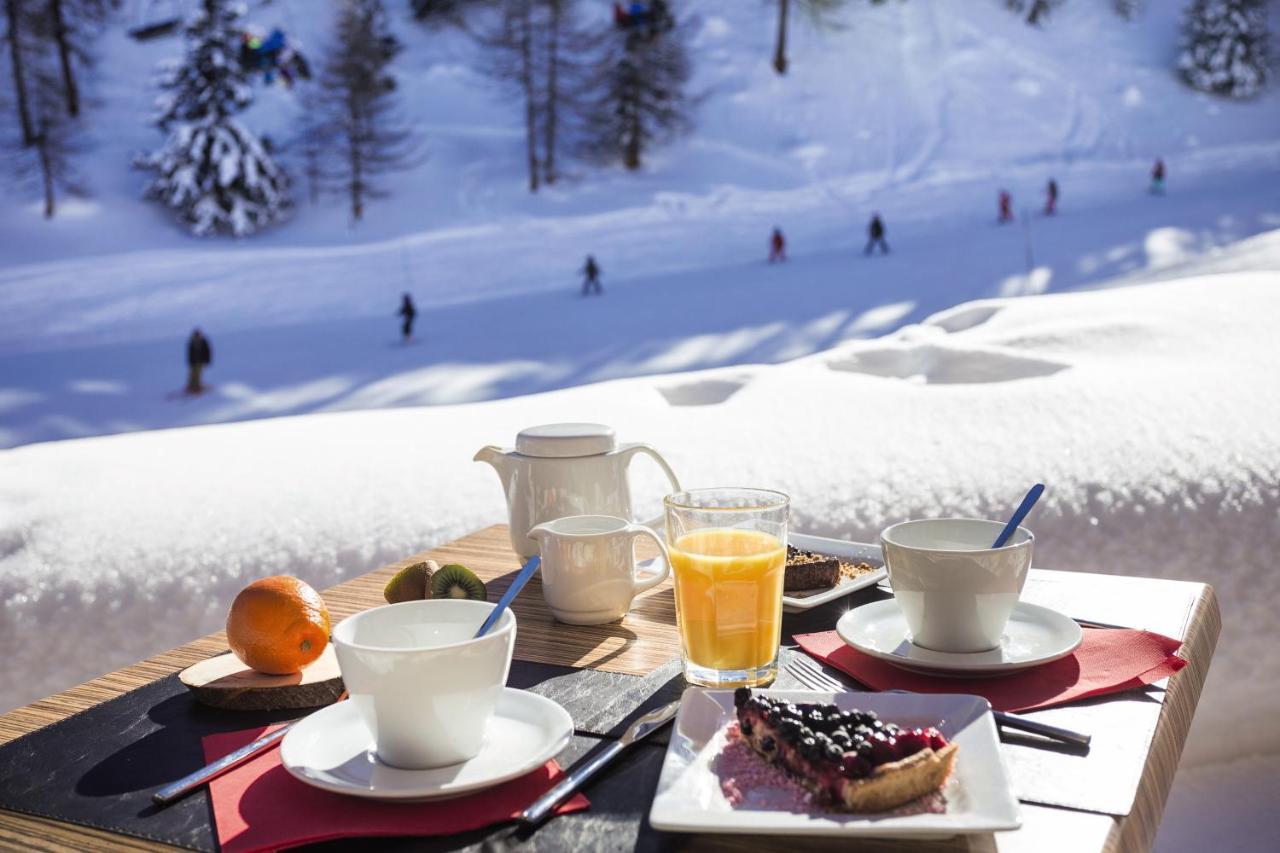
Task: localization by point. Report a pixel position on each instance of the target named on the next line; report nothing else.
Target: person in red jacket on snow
(1006, 207)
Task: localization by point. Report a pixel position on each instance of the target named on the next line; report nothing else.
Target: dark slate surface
(100, 767)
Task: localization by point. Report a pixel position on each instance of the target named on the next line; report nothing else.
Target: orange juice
(729, 597)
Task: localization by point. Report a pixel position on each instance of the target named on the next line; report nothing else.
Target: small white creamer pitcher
(589, 572)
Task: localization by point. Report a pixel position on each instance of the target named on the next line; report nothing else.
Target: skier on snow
(408, 312)
(1051, 198)
(875, 235)
(199, 356)
(591, 279)
(777, 246)
(1157, 177)
(1006, 207)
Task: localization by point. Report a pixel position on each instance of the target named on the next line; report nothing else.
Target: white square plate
(978, 798)
(854, 552)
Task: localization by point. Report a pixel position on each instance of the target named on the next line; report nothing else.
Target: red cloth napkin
(1108, 661)
(259, 806)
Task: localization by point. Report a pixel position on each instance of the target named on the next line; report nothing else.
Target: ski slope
(295, 359)
(951, 105)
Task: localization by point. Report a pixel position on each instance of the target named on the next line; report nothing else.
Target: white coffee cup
(589, 572)
(425, 688)
(955, 590)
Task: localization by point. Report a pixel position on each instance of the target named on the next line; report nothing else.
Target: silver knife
(639, 730)
(177, 790)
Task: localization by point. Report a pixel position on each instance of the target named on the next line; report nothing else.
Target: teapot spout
(499, 459)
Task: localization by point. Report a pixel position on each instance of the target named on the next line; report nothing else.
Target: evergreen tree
(1225, 47)
(354, 130)
(213, 172)
(642, 99)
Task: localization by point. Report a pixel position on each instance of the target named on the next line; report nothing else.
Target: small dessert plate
(332, 749)
(854, 552)
(691, 790)
(1035, 635)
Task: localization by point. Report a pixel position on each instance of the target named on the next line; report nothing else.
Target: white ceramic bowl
(423, 686)
(956, 591)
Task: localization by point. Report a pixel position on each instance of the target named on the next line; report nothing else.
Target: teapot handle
(631, 450)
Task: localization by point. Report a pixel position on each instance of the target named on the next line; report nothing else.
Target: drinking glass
(728, 553)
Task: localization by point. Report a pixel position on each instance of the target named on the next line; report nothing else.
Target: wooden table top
(646, 638)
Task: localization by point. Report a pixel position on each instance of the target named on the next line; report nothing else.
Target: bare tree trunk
(780, 47)
(19, 82)
(530, 95)
(357, 164)
(312, 155)
(46, 167)
(553, 93)
(69, 88)
(632, 149)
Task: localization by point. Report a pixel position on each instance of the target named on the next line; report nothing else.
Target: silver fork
(811, 675)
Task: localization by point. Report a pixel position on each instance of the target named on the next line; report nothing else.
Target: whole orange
(278, 625)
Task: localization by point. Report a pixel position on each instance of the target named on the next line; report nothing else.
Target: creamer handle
(631, 450)
(648, 580)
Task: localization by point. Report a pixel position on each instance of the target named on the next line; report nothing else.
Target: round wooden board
(225, 682)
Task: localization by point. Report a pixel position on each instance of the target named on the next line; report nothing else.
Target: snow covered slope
(952, 102)
(921, 110)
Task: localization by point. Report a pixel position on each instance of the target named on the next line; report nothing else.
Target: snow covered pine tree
(1225, 51)
(213, 172)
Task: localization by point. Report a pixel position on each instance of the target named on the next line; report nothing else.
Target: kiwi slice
(412, 583)
(455, 581)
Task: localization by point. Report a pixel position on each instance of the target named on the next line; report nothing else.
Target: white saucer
(1035, 635)
(332, 749)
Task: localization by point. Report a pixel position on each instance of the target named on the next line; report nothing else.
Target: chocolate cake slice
(807, 570)
(849, 759)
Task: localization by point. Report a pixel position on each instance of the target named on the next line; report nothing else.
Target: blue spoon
(1033, 495)
(512, 591)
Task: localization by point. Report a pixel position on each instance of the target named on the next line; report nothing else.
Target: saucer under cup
(424, 686)
(1033, 636)
(955, 591)
(332, 749)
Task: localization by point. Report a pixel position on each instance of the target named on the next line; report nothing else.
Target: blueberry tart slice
(851, 760)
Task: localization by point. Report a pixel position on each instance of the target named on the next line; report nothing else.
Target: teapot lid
(562, 440)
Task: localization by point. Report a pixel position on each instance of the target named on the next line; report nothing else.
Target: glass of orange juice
(728, 552)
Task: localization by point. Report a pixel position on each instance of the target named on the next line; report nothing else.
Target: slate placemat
(99, 767)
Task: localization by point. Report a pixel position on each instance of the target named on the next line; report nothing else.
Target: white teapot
(559, 470)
